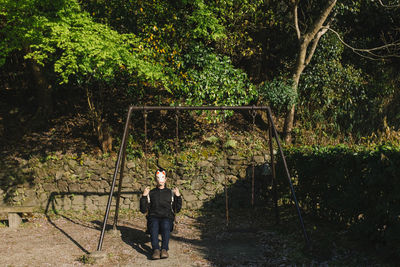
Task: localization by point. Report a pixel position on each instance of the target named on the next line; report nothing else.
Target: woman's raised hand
(146, 191)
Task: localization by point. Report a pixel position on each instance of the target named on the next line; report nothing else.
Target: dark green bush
(356, 187)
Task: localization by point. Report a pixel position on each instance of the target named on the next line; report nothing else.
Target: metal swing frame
(120, 163)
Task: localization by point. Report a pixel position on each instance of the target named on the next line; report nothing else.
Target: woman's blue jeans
(161, 226)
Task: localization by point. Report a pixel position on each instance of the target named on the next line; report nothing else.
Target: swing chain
(177, 114)
(145, 142)
(226, 180)
(253, 114)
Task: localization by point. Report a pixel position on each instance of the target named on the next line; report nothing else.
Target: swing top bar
(199, 108)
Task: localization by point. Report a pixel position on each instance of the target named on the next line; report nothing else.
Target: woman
(161, 203)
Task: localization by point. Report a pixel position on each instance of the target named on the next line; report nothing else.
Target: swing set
(119, 166)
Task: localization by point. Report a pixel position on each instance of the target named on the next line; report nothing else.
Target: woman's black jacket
(161, 203)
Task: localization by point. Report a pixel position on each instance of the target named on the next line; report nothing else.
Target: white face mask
(161, 176)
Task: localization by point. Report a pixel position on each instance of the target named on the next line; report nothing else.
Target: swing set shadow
(120, 163)
(51, 207)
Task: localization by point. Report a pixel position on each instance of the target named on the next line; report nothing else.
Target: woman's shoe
(156, 254)
(164, 254)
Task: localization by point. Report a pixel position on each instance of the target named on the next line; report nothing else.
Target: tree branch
(388, 6)
(314, 44)
(296, 19)
(315, 28)
(371, 52)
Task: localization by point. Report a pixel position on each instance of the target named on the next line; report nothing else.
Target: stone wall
(65, 182)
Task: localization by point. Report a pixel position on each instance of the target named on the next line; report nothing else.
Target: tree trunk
(100, 127)
(305, 53)
(104, 136)
(289, 119)
(43, 94)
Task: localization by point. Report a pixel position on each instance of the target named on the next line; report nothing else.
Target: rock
(80, 172)
(131, 165)
(84, 187)
(62, 186)
(212, 159)
(95, 167)
(103, 200)
(95, 177)
(78, 200)
(236, 160)
(221, 163)
(204, 163)
(135, 205)
(62, 203)
(242, 173)
(105, 185)
(30, 198)
(196, 185)
(59, 174)
(165, 162)
(259, 159)
(42, 199)
(94, 185)
(230, 143)
(90, 163)
(72, 163)
(219, 178)
(25, 170)
(40, 173)
(188, 196)
(231, 179)
(49, 187)
(66, 167)
(202, 196)
(74, 187)
(194, 205)
(110, 163)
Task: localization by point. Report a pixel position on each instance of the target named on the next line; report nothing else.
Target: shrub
(356, 187)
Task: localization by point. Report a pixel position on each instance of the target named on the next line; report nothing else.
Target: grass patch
(86, 259)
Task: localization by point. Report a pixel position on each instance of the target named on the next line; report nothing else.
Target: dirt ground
(65, 241)
(68, 239)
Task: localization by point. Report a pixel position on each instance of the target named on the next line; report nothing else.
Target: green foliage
(64, 36)
(19, 26)
(257, 36)
(212, 80)
(205, 24)
(279, 94)
(356, 187)
(336, 96)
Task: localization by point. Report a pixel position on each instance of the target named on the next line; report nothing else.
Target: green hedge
(357, 187)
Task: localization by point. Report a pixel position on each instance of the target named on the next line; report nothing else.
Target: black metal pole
(128, 118)
(199, 108)
(288, 176)
(274, 189)
(121, 177)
